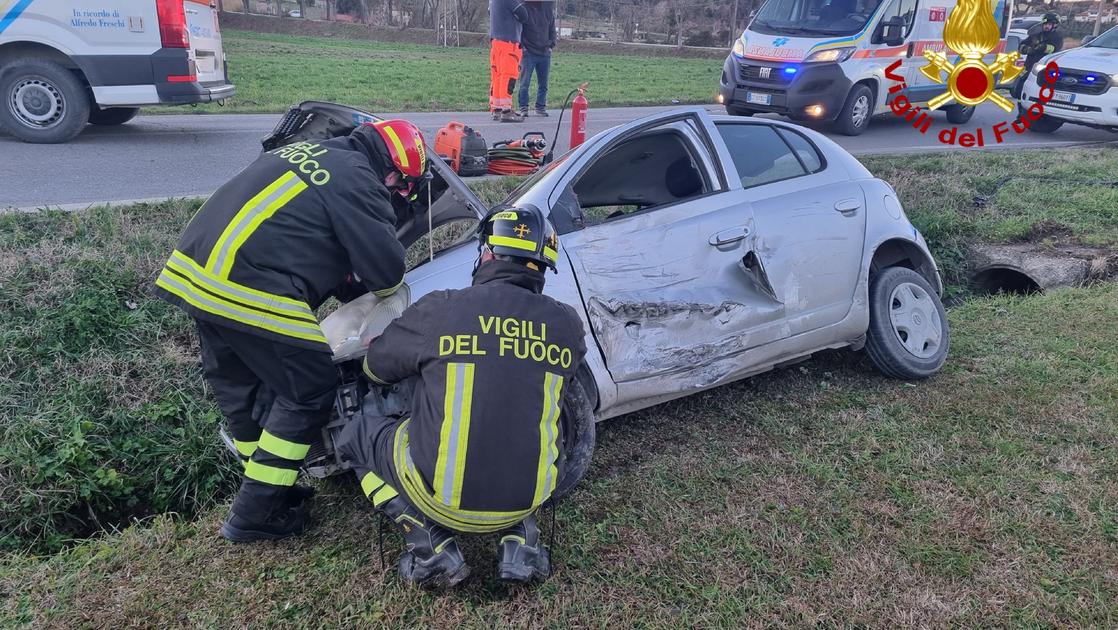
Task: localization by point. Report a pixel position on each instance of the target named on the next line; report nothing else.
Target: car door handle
(726, 237)
(847, 206)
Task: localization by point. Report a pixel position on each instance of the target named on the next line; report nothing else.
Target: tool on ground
(578, 119)
(463, 148)
(518, 157)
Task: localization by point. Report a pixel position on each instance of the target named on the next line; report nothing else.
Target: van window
(760, 155)
(813, 17)
(905, 9)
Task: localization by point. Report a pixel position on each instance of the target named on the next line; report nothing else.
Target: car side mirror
(891, 32)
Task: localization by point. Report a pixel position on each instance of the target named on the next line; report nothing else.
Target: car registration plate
(1066, 97)
(759, 98)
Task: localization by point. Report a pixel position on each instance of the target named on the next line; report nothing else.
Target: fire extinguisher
(578, 121)
(578, 117)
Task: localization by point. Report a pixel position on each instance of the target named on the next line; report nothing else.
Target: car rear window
(761, 156)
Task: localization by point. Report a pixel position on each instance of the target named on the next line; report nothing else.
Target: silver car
(700, 250)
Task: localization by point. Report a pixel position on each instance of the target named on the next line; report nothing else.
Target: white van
(825, 60)
(63, 64)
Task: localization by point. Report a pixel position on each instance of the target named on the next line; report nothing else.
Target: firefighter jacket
(482, 449)
(283, 235)
(1039, 44)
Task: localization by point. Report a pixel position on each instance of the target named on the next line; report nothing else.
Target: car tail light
(172, 24)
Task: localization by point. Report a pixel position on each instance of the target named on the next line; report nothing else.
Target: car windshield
(1108, 39)
(814, 17)
(527, 184)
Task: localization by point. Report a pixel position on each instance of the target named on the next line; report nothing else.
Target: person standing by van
(506, 20)
(537, 41)
(1044, 39)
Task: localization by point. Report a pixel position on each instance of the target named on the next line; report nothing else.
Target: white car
(1087, 90)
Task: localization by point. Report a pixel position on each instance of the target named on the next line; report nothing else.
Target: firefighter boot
(299, 495)
(432, 560)
(524, 558)
(263, 514)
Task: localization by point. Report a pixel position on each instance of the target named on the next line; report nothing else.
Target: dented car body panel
(703, 249)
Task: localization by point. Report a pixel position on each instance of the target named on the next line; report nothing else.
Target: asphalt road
(191, 155)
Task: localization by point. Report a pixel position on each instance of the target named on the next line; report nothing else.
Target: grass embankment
(819, 493)
(394, 77)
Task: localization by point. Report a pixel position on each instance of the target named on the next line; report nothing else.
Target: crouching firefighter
(296, 226)
(482, 449)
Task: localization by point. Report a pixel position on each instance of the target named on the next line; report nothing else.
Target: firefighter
(1044, 39)
(301, 223)
(481, 450)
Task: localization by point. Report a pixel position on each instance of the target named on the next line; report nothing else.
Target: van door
(205, 40)
(911, 15)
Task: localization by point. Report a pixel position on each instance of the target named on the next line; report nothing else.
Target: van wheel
(43, 102)
(856, 112)
(960, 114)
(112, 116)
(734, 110)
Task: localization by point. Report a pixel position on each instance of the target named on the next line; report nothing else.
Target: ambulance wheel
(856, 112)
(960, 114)
(112, 116)
(734, 110)
(42, 102)
(579, 436)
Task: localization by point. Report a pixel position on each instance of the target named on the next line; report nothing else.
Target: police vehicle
(65, 64)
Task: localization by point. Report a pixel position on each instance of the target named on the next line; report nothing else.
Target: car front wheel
(908, 335)
(579, 437)
(856, 112)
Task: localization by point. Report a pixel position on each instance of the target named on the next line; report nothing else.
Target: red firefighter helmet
(405, 147)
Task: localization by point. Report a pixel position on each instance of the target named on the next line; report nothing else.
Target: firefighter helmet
(1051, 18)
(405, 147)
(523, 233)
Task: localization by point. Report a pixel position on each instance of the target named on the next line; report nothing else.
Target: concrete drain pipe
(1027, 269)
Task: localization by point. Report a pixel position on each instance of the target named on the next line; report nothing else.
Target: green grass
(273, 72)
(818, 494)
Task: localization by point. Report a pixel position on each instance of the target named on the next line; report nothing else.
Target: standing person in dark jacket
(1044, 39)
(537, 41)
(301, 223)
(481, 451)
(506, 19)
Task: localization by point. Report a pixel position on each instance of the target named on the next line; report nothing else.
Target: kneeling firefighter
(481, 451)
(301, 223)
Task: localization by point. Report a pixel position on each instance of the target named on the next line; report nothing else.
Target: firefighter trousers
(276, 398)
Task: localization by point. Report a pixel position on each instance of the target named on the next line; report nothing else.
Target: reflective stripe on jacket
(482, 448)
(283, 235)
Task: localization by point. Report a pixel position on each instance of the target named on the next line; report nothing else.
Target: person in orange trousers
(506, 19)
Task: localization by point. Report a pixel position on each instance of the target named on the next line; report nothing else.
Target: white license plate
(759, 98)
(1066, 97)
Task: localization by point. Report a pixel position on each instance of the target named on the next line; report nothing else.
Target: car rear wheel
(112, 116)
(856, 112)
(43, 102)
(908, 335)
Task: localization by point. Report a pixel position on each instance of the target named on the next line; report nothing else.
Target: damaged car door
(810, 220)
(663, 255)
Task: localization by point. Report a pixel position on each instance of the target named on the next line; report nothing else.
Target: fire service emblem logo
(972, 33)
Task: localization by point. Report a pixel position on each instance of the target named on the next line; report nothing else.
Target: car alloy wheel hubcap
(915, 320)
(36, 103)
(860, 111)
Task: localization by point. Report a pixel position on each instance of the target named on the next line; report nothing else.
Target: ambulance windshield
(807, 18)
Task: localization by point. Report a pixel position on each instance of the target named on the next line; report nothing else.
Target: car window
(804, 149)
(657, 167)
(760, 155)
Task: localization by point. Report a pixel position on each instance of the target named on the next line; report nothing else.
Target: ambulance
(825, 60)
(66, 64)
